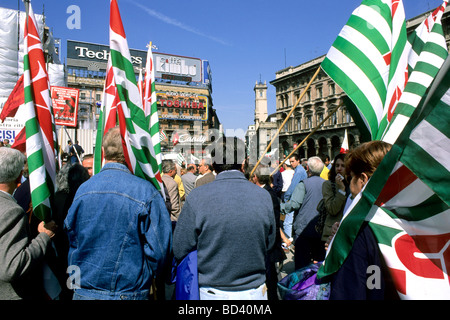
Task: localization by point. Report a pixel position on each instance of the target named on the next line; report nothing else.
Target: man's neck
(8, 187)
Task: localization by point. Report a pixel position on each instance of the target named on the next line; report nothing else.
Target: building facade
(318, 101)
(183, 91)
(260, 134)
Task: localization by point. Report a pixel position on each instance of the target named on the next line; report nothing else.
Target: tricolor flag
(428, 53)
(108, 115)
(407, 203)
(151, 112)
(133, 122)
(344, 146)
(41, 145)
(162, 135)
(180, 159)
(368, 60)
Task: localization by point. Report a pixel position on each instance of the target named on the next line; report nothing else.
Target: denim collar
(116, 166)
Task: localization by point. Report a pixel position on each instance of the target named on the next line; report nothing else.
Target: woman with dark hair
(335, 191)
(68, 180)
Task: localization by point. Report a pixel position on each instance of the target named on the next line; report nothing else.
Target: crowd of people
(124, 238)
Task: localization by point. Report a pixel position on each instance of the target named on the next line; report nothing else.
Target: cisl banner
(10, 128)
(65, 106)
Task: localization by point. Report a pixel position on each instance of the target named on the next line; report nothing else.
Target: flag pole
(285, 120)
(307, 137)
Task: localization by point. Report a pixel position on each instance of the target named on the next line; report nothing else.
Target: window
(319, 93)
(332, 89)
(309, 122)
(348, 118)
(83, 95)
(308, 95)
(319, 118)
(334, 118)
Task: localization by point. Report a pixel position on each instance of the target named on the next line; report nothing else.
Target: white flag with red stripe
(134, 125)
(344, 146)
(407, 203)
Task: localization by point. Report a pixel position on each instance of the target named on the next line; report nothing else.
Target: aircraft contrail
(177, 23)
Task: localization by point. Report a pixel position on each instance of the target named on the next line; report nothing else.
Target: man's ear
(364, 178)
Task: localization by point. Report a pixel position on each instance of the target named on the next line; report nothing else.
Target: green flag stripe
(432, 173)
(371, 33)
(121, 62)
(31, 127)
(397, 51)
(384, 234)
(382, 9)
(353, 91)
(367, 67)
(428, 208)
(42, 212)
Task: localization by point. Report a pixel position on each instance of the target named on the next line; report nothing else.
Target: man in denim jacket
(119, 231)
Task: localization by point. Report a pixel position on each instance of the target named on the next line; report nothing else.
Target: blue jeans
(287, 225)
(104, 295)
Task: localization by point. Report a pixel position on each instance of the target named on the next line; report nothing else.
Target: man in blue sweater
(231, 223)
(304, 201)
(299, 175)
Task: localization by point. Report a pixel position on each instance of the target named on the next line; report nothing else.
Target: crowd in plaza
(114, 236)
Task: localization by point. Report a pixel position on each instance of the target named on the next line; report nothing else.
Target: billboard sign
(184, 105)
(171, 67)
(168, 67)
(93, 52)
(65, 106)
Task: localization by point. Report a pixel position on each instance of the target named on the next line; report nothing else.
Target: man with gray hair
(304, 200)
(20, 256)
(169, 170)
(119, 231)
(205, 168)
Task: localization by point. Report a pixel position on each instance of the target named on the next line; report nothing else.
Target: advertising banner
(182, 105)
(10, 128)
(65, 106)
(178, 68)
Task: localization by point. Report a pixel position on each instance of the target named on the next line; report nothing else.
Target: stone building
(260, 134)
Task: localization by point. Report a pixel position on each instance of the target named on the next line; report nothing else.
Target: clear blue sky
(244, 40)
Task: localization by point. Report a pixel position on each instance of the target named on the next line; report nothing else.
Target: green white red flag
(134, 124)
(41, 142)
(108, 115)
(407, 203)
(368, 60)
(151, 111)
(427, 52)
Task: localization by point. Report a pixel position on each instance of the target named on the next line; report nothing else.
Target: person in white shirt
(287, 175)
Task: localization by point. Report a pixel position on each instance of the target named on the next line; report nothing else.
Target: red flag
(20, 141)
(344, 146)
(15, 100)
(175, 138)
